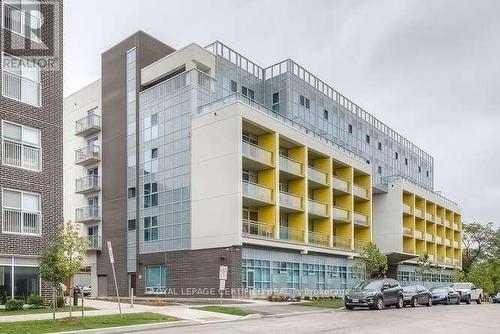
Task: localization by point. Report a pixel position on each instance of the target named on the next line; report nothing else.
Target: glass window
(26, 282)
(308, 104)
(325, 114)
(156, 279)
(131, 192)
(350, 128)
(21, 147)
(131, 224)
(367, 139)
(154, 153)
(21, 80)
(150, 228)
(302, 100)
(234, 86)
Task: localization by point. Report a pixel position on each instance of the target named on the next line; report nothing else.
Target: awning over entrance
(397, 257)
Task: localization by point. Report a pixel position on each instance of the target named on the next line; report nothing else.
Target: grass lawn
(224, 309)
(66, 324)
(42, 310)
(336, 303)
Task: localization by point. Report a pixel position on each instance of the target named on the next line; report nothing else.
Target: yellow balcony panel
(290, 202)
(317, 178)
(360, 219)
(407, 209)
(317, 209)
(291, 234)
(429, 216)
(255, 157)
(428, 237)
(407, 232)
(341, 243)
(318, 239)
(340, 185)
(455, 244)
(290, 167)
(360, 192)
(340, 214)
(258, 229)
(359, 245)
(256, 195)
(419, 234)
(419, 213)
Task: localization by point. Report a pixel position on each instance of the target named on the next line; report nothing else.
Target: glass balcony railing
(88, 125)
(88, 155)
(360, 219)
(88, 214)
(341, 243)
(447, 223)
(455, 226)
(407, 209)
(447, 242)
(339, 184)
(254, 228)
(439, 220)
(439, 240)
(290, 201)
(291, 234)
(256, 153)
(359, 245)
(429, 216)
(94, 242)
(408, 231)
(318, 208)
(418, 213)
(340, 214)
(455, 244)
(429, 237)
(257, 192)
(418, 234)
(317, 176)
(290, 166)
(87, 183)
(360, 191)
(319, 239)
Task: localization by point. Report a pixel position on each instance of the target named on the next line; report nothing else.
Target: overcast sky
(429, 69)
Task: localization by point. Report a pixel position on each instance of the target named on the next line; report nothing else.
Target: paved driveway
(454, 319)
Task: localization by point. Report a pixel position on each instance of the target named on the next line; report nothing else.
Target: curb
(132, 328)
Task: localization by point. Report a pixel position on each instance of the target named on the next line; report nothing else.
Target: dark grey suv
(375, 294)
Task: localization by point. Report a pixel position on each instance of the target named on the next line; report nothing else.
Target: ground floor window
(5, 283)
(18, 282)
(156, 280)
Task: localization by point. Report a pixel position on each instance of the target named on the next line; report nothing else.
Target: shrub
(35, 301)
(14, 304)
(3, 298)
(61, 302)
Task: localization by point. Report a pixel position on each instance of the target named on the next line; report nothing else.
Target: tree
(52, 270)
(478, 244)
(481, 277)
(372, 261)
(73, 247)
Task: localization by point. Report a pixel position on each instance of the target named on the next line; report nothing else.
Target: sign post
(112, 260)
(222, 281)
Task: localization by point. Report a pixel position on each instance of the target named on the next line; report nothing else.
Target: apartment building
(209, 159)
(31, 109)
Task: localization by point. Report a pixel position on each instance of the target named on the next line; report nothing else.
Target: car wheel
(458, 301)
(379, 304)
(448, 301)
(414, 302)
(429, 301)
(467, 301)
(400, 302)
(479, 300)
(350, 308)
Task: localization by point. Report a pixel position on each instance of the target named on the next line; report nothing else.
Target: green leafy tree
(372, 261)
(478, 244)
(481, 277)
(53, 271)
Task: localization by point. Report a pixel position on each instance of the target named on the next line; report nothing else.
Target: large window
(23, 17)
(150, 228)
(150, 194)
(21, 146)
(156, 279)
(21, 212)
(21, 80)
(26, 282)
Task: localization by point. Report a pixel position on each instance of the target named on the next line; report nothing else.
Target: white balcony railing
(256, 153)
(87, 183)
(88, 153)
(418, 213)
(340, 214)
(291, 234)
(290, 201)
(17, 221)
(359, 191)
(21, 89)
(408, 231)
(319, 239)
(290, 166)
(94, 242)
(317, 176)
(360, 219)
(257, 192)
(20, 155)
(418, 234)
(340, 184)
(89, 123)
(428, 237)
(318, 208)
(341, 243)
(88, 213)
(429, 216)
(407, 209)
(254, 228)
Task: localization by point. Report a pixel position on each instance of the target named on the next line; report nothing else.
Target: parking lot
(455, 319)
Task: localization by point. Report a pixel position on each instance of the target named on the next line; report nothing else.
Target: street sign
(222, 285)
(110, 252)
(223, 273)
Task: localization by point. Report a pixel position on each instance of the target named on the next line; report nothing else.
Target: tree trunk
(83, 298)
(54, 303)
(70, 297)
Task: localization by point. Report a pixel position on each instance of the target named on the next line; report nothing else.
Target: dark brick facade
(49, 182)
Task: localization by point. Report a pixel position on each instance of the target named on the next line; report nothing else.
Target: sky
(428, 69)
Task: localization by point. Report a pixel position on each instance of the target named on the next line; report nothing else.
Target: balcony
(290, 201)
(359, 245)
(340, 185)
(447, 223)
(448, 261)
(21, 222)
(359, 192)
(439, 221)
(21, 155)
(408, 250)
(291, 234)
(429, 216)
(256, 194)
(88, 214)
(258, 229)
(440, 259)
(455, 226)
(341, 243)
(255, 157)
(88, 155)
(419, 234)
(456, 262)
(439, 240)
(316, 177)
(318, 209)
(94, 242)
(318, 239)
(87, 184)
(360, 219)
(455, 244)
(88, 125)
(292, 168)
(418, 213)
(407, 232)
(447, 242)
(340, 214)
(407, 209)
(428, 237)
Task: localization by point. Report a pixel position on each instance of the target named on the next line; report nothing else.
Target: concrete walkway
(106, 307)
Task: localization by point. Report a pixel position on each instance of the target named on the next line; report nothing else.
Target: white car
(468, 292)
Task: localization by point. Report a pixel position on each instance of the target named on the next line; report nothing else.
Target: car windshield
(369, 285)
(439, 290)
(461, 286)
(409, 289)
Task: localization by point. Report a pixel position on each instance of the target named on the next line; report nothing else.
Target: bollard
(131, 297)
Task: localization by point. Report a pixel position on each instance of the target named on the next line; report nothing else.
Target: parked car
(375, 294)
(445, 295)
(468, 292)
(86, 289)
(496, 298)
(414, 295)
